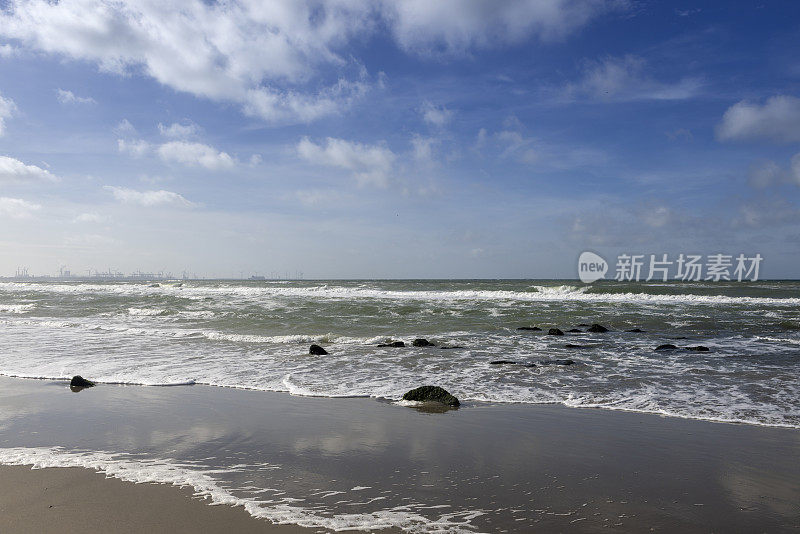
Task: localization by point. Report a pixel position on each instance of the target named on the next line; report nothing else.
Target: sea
(255, 335)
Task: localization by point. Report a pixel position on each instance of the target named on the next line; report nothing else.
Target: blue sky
(384, 139)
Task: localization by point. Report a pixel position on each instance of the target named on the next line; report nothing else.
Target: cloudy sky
(349, 138)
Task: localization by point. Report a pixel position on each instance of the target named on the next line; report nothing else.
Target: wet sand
(67, 500)
(519, 468)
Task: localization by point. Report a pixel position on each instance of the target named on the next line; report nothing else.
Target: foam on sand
(205, 483)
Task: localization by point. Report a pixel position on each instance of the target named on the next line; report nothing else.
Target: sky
(378, 139)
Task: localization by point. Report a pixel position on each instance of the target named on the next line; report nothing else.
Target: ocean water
(255, 335)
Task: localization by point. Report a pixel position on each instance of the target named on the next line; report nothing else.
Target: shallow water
(361, 464)
(256, 335)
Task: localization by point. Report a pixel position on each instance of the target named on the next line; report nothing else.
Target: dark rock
(532, 328)
(583, 324)
(556, 362)
(445, 347)
(666, 346)
(79, 382)
(316, 350)
(420, 342)
(699, 348)
(637, 330)
(530, 365)
(555, 332)
(572, 346)
(395, 344)
(431, 394)
(502, 362)
(154, 285)
(597, 328)
(574, 330)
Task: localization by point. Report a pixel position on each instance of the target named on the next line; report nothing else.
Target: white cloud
(277, 106)
(88, 218)
(177, 130)
(149, 198)
(454, 27)
(370, 164)
(768, 213)
(777, 120)
(16, 208)
(68, 97)
(256, 160)
(124, 128)
(656, 217)
(795, 168)
(766, 174)
(250, 53)
(511, 143)
(769, 173)
(318, 197)
(7, 109)
(183, 152)
(134, 147)
(625, 79)
(89, 240)
(680, 134)
(13, 170)
(516, 145)
(423, 147)
(260, 55)
(437, 116)
(480, 140)
(195, 155)
(7, 50)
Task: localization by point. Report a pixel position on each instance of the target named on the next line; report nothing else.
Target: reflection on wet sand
(340, 462)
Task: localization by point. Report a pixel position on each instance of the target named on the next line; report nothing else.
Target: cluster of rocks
(436, 394)
(541, 362)
(595, 329)
(670, 346)
(419, 342)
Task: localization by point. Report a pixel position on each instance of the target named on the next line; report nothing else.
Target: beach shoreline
(481, 468)
(72, 499)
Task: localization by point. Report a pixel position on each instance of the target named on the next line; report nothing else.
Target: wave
(212, 335)
(539, 293)
(16, 308)
(107, 382)
(206, 484)
(781, 340)
(147, 312)
(160, 312)
(664, 400)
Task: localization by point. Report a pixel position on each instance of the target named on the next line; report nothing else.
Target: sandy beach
(418, 266)
(356, 463)
(79, 500)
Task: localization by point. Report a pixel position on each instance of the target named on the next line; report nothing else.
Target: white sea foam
(541, 293)
(206, 483)
(147, 312)
(16, 308)
(212, 335)
(197, 314)
(791, 341)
